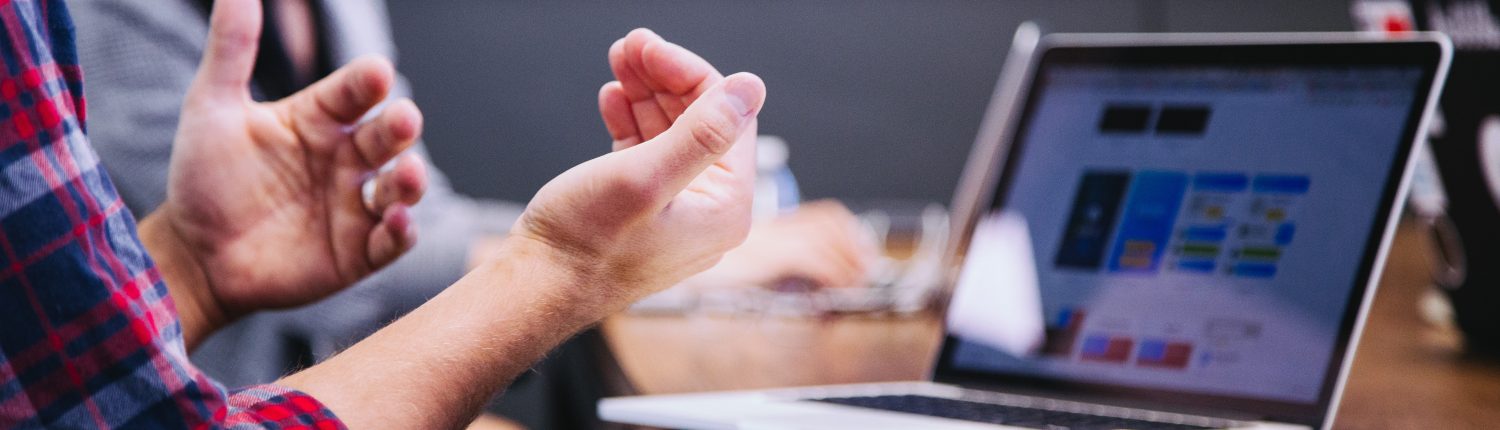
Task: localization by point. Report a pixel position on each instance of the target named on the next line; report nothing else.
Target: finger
(392, 237)
(840, 230)
(851, 266)
(828, 252)
(651, 120)
(681, 74)
(350, 91)
(672, 105)
(676, 69)
(656, 72)
(703, 135)
(848, 241)
(229, 55)
(629, 80)
(840, 274)
(741, 157)
(614, 107)
(395, 130)
(635, 47)
(827, 269)
(404, 183)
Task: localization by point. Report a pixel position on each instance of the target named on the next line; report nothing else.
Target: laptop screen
(1200, 229)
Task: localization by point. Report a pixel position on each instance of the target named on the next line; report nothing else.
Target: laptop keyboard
(999, 414)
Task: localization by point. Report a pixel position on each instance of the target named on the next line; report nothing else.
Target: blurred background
(878, 100)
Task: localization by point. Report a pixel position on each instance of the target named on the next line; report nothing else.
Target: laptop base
(794, 408)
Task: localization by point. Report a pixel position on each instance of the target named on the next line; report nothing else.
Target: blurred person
(264, 209)
(141, 56)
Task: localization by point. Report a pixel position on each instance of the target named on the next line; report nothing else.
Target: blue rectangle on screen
(1147, 222)
(1204, 266)
(1255, 270)
(1152, 350)
(1205, 234)
(1220, 182)
(1282, 184)
(1284, 234)
(1065, 317)
(1095, 345)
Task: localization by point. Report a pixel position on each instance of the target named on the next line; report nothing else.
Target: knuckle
(238, 40)
(227, 35)
(716, 133)
(353, 89)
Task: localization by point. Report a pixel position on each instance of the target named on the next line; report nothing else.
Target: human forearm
(435, 367)
(185, 279)
(484, 249)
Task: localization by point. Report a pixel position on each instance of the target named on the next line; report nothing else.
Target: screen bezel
(1161, 50)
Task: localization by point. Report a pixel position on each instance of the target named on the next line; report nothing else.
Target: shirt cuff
(272, 406)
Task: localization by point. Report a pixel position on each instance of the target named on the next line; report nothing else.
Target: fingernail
(399, 216)
(743, 94)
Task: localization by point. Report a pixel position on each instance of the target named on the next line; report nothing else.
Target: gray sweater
(139, 56)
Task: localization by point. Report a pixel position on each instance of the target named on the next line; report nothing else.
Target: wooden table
(1408, 374)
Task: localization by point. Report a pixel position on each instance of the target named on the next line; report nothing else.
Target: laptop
(1164, 231)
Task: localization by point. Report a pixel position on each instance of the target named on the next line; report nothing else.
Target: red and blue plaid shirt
(89, 337)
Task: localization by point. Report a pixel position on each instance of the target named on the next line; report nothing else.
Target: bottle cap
(770, 153)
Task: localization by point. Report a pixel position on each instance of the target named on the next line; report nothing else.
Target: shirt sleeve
(271, 406)
(89, 335)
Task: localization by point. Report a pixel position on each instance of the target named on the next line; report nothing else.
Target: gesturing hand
(265, 197)
(657, 80)
(672, 197)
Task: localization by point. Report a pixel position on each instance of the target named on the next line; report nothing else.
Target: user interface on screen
(1194, 229)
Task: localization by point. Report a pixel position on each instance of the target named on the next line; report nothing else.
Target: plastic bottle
(776, 190)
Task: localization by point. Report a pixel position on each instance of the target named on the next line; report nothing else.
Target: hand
(657, 80)
(672, 197)
(591, 241)
(820, 243)
(265, 197)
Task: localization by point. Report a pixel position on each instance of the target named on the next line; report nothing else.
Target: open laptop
(1197, 223)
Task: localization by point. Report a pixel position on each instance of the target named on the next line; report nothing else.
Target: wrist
(483, 250)
(564, 284)
(187, 281)
(463, 345)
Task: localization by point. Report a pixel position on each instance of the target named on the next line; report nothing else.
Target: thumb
(705, 132)
(229, 56)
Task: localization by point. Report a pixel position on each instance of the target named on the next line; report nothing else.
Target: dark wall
(877, 99)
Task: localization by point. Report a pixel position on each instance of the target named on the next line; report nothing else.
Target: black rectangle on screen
(1125, 118)
(1183, 119)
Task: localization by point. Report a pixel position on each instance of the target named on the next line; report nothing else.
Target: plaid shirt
(89, 337)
